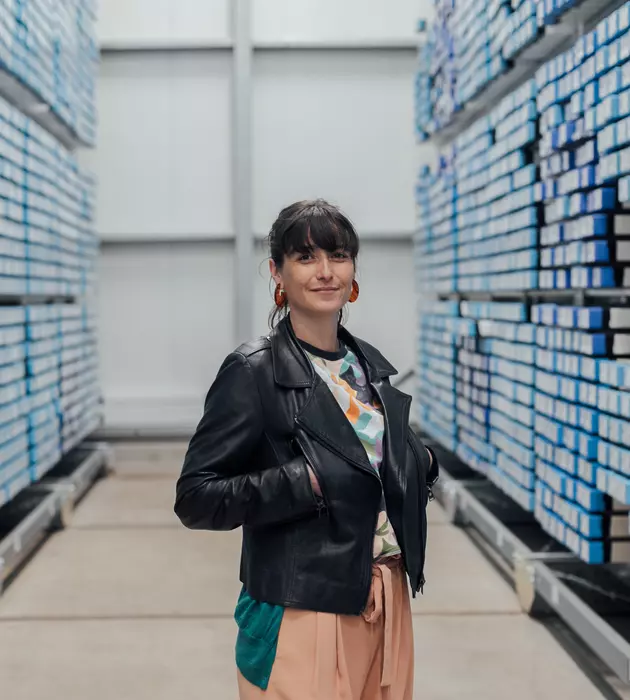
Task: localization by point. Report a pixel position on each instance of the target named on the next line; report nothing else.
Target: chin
(327, 309)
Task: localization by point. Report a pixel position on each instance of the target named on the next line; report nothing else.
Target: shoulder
(375, 358)
(250, 356)
(240, 366)
(255, 347)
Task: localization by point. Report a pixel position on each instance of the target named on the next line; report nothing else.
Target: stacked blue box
(437, 346)
(585, 122)
(57, 213)
(570, 341)
(613, 398)
(472, 389)
(51, 47)
(440, 54)
(436, 236)
(80, 395)
(478, 59)
(471, 43)
(497, 216)
(422, 97)
(506, 340)
(43, 357)
(522, 27)
(14, 442)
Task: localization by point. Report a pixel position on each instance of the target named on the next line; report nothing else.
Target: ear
(275, 273)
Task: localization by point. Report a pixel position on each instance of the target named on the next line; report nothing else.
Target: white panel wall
(337, 125)
(160, 22)
(384, 315)
(163, 157)
(307, 20)
(165, 329)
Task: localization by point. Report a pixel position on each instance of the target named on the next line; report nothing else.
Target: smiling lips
(327, 289)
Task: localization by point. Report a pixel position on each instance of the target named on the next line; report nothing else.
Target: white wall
(165, 326)
(155, 22)
(163, 156)
(160, 22)
(337, 124)
(304, 20)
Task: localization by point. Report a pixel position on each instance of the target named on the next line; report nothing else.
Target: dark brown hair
(303, 226)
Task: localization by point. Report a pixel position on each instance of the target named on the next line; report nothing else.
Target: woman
(305, 444)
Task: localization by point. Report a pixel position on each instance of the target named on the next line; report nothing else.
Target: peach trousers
(321, 656)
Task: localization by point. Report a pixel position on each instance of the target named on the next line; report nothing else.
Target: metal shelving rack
(593, 601)
(47, 504)
(554, 39)
(546, 577)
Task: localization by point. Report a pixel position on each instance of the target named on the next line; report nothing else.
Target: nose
(324, 270)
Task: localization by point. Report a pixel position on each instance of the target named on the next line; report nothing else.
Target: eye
(341, 255)
(305, 257)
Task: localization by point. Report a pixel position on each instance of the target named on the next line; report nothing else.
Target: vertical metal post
(242, 170)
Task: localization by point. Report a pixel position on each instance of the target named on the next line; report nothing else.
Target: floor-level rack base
(592, 600)
(47, 505)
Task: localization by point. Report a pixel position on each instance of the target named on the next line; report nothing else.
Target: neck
(320, 332)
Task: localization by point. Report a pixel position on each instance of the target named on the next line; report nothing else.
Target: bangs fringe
(318, 227)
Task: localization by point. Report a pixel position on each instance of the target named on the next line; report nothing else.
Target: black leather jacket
(266, 415)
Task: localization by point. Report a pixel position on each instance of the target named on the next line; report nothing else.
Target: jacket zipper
(367, 576)
(311, 463)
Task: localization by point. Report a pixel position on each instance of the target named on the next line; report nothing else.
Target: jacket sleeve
(428, 459)
(221, 486)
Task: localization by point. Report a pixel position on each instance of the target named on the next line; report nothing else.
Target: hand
(314, 483)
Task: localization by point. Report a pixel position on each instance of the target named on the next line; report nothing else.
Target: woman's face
(317, 282)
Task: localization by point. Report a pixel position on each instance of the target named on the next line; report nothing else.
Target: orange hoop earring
(280, 297)
(354, 294)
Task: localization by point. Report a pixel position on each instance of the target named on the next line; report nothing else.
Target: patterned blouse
(343, 374)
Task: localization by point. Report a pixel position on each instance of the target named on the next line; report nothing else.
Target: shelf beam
(165, 45)
(532, 294)
(116, 239)
(26, 101)
(393, 44)
(555, 39)
(157, 46)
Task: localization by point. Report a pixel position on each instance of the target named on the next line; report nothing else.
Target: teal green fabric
(257, 640)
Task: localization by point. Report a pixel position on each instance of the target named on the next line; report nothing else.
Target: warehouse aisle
(128, 605)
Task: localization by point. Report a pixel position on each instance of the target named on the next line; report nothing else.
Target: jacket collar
(292, 369)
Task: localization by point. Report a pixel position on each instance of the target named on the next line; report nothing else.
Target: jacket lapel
(396, 406)
(324, 420)
(394, 402)
(322, 417)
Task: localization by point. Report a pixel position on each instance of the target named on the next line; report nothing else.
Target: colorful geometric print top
(343, 374)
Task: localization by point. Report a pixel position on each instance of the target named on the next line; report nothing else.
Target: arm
(432, 469)
(220, 487)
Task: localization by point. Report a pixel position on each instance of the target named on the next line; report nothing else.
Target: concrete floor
(128, 605)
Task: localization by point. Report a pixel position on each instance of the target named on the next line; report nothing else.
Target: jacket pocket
(301, 447)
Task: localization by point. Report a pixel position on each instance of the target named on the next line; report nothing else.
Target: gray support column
(242, 170)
